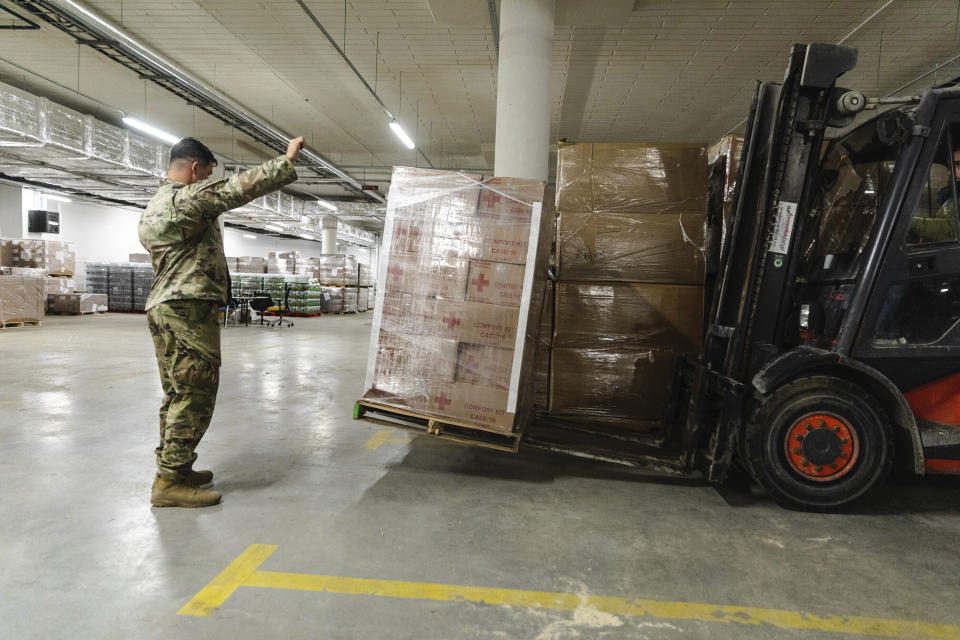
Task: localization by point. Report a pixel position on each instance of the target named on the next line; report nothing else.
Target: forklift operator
(940, 225)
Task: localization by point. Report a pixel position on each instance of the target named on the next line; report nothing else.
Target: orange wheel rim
(822, 447)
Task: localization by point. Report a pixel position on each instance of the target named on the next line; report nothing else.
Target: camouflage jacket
(181, 231)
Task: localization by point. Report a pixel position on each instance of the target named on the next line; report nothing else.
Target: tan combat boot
(193, 478)
(171, 493)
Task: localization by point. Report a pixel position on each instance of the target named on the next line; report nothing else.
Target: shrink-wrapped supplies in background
(629, 296)
(54, 256)
(457, 315)
(334, 269)
(22, 294)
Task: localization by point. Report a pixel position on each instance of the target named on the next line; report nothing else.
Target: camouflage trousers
(186, 337)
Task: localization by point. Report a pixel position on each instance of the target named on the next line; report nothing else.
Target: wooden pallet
(446, 429)
(21, 323)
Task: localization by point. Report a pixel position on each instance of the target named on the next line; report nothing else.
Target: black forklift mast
(755, 291)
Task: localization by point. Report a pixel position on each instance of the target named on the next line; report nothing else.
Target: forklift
(832, 345)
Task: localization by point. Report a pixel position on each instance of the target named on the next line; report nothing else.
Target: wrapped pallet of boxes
(77, 303)
(455, 325)
(58, 258)
(22, 295)
(629, 296)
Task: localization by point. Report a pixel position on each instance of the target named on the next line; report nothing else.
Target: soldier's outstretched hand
(293, 149)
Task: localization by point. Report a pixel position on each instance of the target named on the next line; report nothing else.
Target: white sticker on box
(786, 217)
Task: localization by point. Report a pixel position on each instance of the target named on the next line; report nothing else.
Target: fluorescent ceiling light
(306, 236)
(397, 129)
(55, 198)
(324, 203)
(250, 235)
(272, 227)
(151, 130)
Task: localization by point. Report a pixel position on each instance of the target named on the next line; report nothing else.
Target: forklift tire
(818, 444)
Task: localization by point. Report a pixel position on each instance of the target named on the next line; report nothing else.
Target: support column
(523, 89)
(329, 237)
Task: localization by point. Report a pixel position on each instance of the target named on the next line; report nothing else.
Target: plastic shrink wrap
(22, 295)
(729, 146)
(459, 294)
(629, 300)
(665, 247)
(638, 177)
(334, 269)
(615, 348)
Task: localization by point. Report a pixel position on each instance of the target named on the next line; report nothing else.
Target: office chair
(260, 302)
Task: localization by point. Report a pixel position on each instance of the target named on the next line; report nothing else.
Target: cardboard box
(139, 257)
(640, 177)
(481, 407)
(22, 297)
(622, 387)
(495, 283)
(6, 252)
(57, 285)
(77, 303)
(426, 275)
(484, 366)
(629, 316)
(665, 248)
(54, 256)
(508, 198)
(406, 364)
(472, 322)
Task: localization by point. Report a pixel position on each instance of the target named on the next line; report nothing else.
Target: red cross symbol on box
(480, 282)
(490, 199)
(401, 231)
(472, 364)
(451, 321)
(443, 401)
(395, 270)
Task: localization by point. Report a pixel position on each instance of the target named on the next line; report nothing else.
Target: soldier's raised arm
(210, 199)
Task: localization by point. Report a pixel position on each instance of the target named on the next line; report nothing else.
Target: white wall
(109, 234)
(11, 206)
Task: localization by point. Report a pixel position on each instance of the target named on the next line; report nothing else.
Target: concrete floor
(83, 555)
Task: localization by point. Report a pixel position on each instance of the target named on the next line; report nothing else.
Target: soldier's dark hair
(192, 149)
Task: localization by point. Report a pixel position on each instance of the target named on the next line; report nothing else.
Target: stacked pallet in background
(629, 300)
(303, 296)
(339, 275)
(126, 284)
(22, 296)
(54, 259)
(77, 304)
(454, 329)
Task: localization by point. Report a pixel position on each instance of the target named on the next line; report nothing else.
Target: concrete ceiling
(653, 70)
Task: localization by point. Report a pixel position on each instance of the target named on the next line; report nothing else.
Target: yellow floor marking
(220, 588)
(244, 572)
(384, 436)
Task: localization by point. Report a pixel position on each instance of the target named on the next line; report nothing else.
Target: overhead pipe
(353, 67)
(103, 30)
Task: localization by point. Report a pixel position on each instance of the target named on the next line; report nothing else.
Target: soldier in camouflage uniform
(180, 229)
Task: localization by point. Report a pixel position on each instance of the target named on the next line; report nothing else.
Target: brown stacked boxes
(56, 257)
(6, 252)
(22, 295)
(629, 299)
(56, 286)
(77, 303)
(457, 313)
